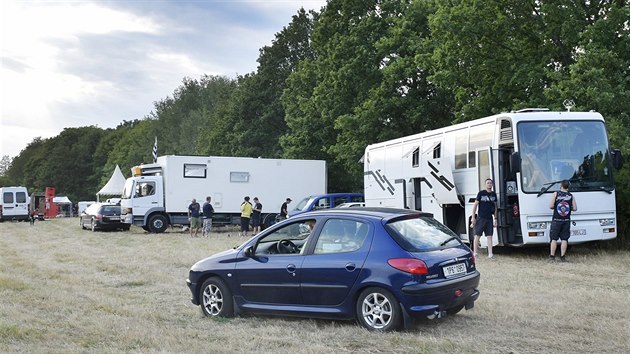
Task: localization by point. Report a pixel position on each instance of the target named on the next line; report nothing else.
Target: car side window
(340, 235)
(289, 239)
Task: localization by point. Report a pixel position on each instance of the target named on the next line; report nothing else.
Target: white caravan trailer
(14, 203)
(159, 194)
(527, 153)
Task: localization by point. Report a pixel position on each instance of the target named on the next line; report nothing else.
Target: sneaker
(475, 254)
(563, 259)
(491, 258)
(551, 259)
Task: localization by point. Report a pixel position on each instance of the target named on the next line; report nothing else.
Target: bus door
(486, 162)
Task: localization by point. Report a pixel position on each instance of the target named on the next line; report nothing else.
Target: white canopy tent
(115, 185)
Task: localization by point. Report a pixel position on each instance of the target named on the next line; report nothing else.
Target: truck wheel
(158, 223)
(269, 220)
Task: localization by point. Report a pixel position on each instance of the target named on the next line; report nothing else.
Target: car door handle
(291, 268)
(350, 267)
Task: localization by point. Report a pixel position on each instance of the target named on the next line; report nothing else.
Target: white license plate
(578, 232)
(454, 270)
(114, 218)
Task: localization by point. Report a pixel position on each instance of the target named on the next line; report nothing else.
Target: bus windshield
(572, 150)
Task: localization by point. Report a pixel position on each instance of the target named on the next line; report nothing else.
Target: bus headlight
(606, 222)
(537, 225)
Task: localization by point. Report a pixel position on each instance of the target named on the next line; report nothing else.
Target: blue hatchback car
(381, 267)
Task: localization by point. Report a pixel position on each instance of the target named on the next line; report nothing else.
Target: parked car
(382, 267)
(102, 216)
(325, 201)
(351, 205)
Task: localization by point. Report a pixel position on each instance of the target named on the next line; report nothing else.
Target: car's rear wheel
(378, 310)
(216, 298)
(93, 225)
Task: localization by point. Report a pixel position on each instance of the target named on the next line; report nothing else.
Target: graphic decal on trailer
(382, 181)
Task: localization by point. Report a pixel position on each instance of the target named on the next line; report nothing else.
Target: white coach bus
(527, 153)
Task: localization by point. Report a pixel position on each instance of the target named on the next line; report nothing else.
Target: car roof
(332, 194)
(386, 214)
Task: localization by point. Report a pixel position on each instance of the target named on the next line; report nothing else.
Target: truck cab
(142, 203)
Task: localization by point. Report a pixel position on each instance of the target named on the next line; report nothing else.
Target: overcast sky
(74, 63)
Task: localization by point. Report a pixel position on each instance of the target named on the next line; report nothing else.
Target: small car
(102, 216)
(325, 201)
(381, 267)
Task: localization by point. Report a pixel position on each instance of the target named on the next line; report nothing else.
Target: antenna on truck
(568, 104)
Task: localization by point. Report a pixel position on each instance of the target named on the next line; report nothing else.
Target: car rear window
(110, 209)
(421, 233)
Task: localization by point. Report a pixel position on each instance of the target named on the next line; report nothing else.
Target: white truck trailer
(158, 194)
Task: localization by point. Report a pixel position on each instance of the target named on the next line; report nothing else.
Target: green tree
(253, 120)
(600, 80)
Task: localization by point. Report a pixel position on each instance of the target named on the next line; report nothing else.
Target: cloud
(79, 63)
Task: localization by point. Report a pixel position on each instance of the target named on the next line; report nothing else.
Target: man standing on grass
(256, 215)
(562, 203)
(208, 210)
(194, 211)
(486, 221)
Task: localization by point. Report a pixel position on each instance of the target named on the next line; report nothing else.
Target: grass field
(65, 290)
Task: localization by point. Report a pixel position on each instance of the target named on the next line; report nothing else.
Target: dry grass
(63, 289)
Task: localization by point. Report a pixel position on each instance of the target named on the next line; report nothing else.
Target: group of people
(200, 217)
(484, 220)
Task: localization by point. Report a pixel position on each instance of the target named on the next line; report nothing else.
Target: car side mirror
(515, 163)
(617, 158)
(249, 252)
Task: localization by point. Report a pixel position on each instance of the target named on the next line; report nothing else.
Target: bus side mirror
(617, 158)
(515, 163)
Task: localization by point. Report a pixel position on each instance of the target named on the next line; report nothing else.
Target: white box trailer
(159, 194)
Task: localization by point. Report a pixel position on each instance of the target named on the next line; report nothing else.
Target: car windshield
(303, 203)
(422, 233)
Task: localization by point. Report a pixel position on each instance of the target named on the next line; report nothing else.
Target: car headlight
(537, 225)
(606, 222)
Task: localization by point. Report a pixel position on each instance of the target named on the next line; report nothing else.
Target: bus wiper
(609, 191)
(545, 189)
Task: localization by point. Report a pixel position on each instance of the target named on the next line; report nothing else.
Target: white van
(14, 202)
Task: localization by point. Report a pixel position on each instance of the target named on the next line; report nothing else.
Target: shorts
(207, 226)
(195, 222)
(560, 230)
(256, 220)
(244, 224)
(483, 226)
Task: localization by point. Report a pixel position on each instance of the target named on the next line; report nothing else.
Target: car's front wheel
(378, 310)
(216, 298)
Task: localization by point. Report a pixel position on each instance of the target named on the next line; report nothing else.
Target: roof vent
(529, 110)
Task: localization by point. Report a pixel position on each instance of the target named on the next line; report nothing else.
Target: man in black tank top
(562, 204)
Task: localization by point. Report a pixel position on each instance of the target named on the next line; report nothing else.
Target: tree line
(359, 72)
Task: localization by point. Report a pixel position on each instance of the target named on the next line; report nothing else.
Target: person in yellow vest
(246, 213)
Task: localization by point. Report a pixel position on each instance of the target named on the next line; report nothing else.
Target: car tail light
(409, 265)
(99, 216)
